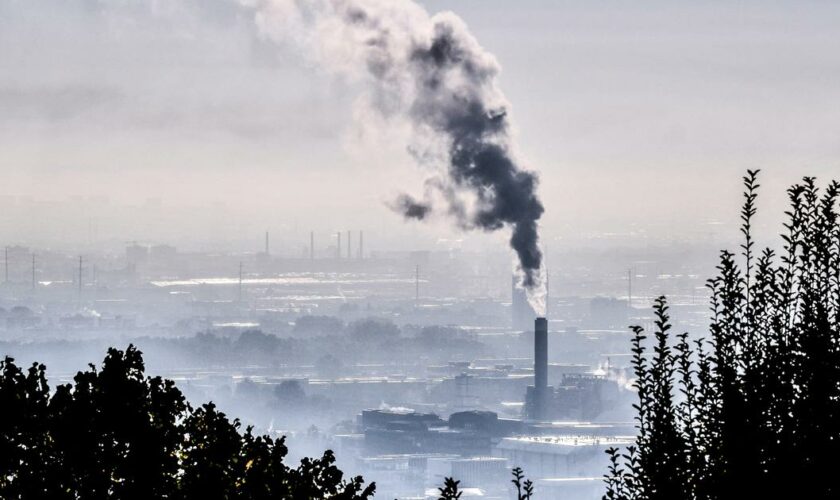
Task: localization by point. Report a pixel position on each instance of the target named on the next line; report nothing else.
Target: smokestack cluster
(430, 72)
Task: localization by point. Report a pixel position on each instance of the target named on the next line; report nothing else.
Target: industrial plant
(412, 366)
(417, 249)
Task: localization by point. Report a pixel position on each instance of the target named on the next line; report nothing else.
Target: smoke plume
(430, 71)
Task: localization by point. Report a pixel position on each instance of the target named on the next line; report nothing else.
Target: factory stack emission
(429, 81)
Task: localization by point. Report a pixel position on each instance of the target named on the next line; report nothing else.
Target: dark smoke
(433, 72)
(479, 159)
(411, 208)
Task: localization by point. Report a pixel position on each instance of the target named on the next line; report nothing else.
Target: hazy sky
(631, 112)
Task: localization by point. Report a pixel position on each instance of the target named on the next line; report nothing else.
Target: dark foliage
(753, 410)
(450, 490)
(524, 487)
(116, 433)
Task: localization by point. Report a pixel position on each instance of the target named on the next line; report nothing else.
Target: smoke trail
(431, 71)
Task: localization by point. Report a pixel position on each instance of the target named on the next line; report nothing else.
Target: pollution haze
(410, 232)
(136, 100)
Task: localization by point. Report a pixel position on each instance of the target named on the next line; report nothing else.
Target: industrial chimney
(540, 354)
(539, 395)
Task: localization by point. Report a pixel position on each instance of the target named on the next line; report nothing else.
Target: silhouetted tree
(524, 487)
(753, 409)
(450, 490)
(116, 433)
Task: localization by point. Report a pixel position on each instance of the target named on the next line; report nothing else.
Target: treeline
(318, 339)
(116, 433)
(753, 410)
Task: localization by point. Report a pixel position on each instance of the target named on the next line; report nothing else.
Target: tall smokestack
(538, 395)
(540, 354)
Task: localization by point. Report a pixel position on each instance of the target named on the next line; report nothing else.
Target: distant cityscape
(412, 365)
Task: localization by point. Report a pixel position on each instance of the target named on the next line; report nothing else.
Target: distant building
(466, 434)
(577, 397)
(558, 456)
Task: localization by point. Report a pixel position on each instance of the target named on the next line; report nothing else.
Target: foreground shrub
(116, 433)
(753, 410)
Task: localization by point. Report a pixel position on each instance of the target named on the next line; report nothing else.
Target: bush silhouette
(116, 433)
(752, 411)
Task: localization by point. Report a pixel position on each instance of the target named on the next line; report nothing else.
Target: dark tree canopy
(753, 410)
(116, 433)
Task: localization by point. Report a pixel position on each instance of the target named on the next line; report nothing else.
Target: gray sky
(635, 114)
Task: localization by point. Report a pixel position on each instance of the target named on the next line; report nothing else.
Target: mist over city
(405, 249)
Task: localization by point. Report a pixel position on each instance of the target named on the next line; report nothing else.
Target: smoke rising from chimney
(430, 71)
